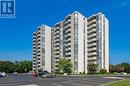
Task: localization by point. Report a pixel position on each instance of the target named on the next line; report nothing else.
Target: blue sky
(16, 34)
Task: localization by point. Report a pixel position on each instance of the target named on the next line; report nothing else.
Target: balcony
(92, 40)
(34, 50)
(34, 56)
(57, 56)
(56, 60)
(34, 37)
(56, 44)
(68, 44)
(92, 21)
(34, 34)
(91, 45)
(56, 28)
(34, 44)
(67, 21)
(68, 53)
(38, 43)
(34, 47)
(91, 49)
(68, 31)
(56, 48)
(68, 49)
(91, 27)
(92, 54)
(92, 31)
(56, 33)
(67, 18)
(39, 39)
(68, 39)
(92, 58)
(67, 26)
(67, 36)
(56, 52)
(92, 35)
(56, 39)
(39, 32)
(34, 40)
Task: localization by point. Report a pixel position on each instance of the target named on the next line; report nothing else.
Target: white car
(2, 74)
(65, 74)
(15, 73)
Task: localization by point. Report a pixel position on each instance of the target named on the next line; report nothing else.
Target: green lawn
(120, 83)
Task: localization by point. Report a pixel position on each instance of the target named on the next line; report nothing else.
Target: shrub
(103, 71)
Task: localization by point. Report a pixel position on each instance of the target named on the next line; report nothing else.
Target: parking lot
(28, 80)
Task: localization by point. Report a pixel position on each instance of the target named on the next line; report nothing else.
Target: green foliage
(23, 66)
(126, 67)
(123, 67)
(92, 68)
(18, 66)
(65, 66)
(7, 66)
(103, 71)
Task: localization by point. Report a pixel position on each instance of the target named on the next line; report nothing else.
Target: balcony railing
(92, 40)
(92, 31)
(91, 45)
(92, 21)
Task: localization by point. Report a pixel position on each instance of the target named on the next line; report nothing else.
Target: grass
(110, 74)
(99, 74)
(89, 74)
(125, 82)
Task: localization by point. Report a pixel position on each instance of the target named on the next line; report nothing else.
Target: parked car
(42, 73)
(123, 73)
(34, 74)
(2, 74)
(15, 73)
(65, 74)
(29, 73)
(49, 75)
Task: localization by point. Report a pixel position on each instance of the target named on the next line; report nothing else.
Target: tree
(23, 66)
(126, 67)
(65, 66)
(7, 66)
(18, 66)
(92, 68)
(119, 68)
(103, 71)
(68, 67)
(123, 67)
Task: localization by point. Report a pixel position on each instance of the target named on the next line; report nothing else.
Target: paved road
(27, 80)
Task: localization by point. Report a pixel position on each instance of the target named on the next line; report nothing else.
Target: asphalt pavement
(28, 80)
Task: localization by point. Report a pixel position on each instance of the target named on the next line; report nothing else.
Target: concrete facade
(42, 49)
(80, 39)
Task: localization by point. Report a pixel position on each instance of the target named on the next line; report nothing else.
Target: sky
(16, 34)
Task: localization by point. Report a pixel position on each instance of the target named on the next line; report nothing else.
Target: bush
(103, 71)
(65, 66)
(92, 68)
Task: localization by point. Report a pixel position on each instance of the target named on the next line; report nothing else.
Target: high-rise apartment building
(74, 28)
(98, 40)
(57, 45)
(68, 38)
(42, 49)
(82, 40)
